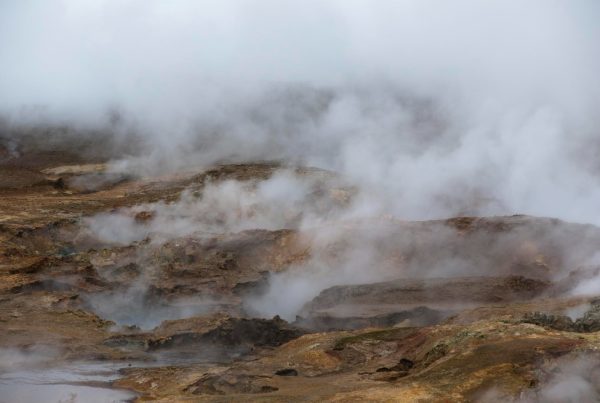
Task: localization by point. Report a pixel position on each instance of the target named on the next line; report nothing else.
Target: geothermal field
(299, 201)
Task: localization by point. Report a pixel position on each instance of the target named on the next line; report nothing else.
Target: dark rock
(590, 322)
(401, 368)
(403, 365)
(234, 332)
(556, 322)
(287, 372)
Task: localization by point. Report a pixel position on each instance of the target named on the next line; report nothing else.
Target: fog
(443, 108)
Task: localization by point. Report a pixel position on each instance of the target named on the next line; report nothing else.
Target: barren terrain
(171, 306)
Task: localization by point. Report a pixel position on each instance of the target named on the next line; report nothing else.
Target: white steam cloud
(443, 107)
(285, 200)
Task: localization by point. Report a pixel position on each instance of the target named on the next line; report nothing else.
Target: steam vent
(299, 201)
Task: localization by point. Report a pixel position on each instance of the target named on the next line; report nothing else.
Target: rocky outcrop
(589, 322)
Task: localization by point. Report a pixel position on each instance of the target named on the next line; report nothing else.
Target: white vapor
(444, 107)
(285, 200)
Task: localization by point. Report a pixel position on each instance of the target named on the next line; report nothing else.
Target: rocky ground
(190, 299)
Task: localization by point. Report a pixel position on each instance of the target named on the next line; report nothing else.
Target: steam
(35, 356)
(576, 382)
(592, 285)
(347, 244)
(445, 109)
(424, 109)
(286, 200)
(32, 376)
(427, 109)
(573, 379)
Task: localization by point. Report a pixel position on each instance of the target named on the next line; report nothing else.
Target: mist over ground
(380, 198)
(439, 108)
